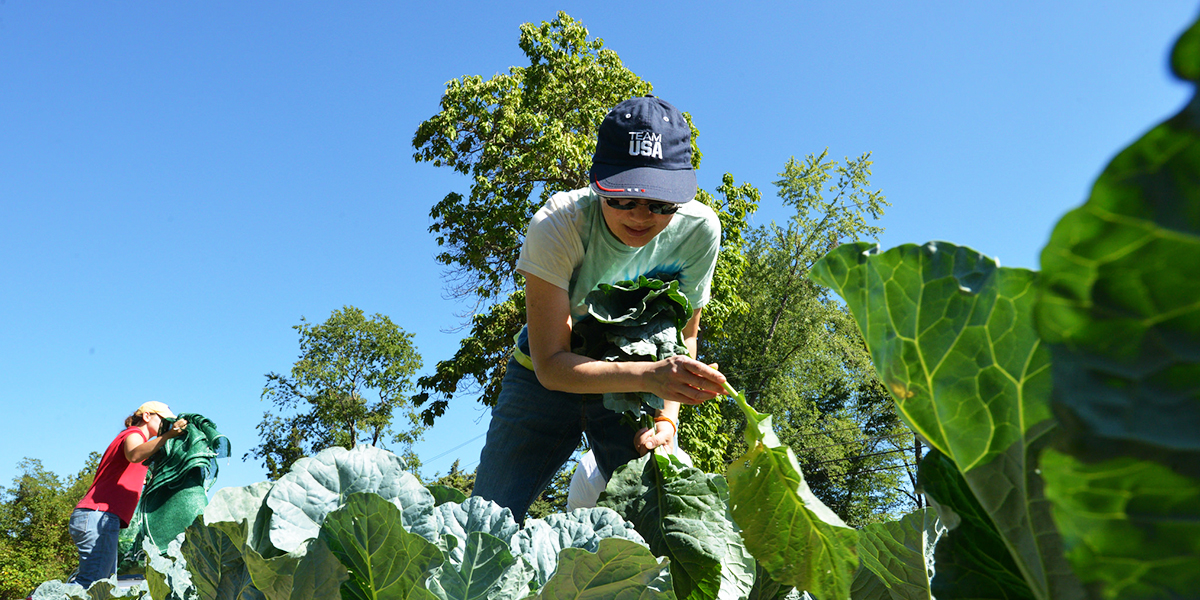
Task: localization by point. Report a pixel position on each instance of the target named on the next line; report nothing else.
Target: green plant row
(354, 524)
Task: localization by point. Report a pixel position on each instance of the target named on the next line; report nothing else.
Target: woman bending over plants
(635, 219)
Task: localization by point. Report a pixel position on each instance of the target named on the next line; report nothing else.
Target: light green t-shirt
(568, 245)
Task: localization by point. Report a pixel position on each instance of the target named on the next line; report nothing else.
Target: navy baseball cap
(644, 150)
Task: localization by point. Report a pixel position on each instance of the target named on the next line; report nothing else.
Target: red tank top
(118, 483)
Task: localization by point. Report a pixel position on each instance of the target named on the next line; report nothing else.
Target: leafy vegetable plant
(639, 320)
(1063, 405)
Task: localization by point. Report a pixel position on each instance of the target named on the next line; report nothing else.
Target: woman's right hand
(685, 380)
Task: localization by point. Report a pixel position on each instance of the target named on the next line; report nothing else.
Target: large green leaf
(101, 589)
(1121, 297)
(1121, 307)
(320, 575)
(275, 577)
(444, 493)
(242, 514)
(793, 534)
(216, 564)
(473, 514)
(639, 320)
(384, 560)
(766, 588)
(738, 569)
(618, 570)
(541, 540)
(486, 570)
(897, 558)
(319, 484)
(236, 504)
(971, 559)
(680, 512)
(59, 590)
(1130, 525)
(951, 336)
(272, 577)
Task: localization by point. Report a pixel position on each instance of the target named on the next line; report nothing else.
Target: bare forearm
(146, 449)
(570, 372)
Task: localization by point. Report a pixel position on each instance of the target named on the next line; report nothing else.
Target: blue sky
(181, 182)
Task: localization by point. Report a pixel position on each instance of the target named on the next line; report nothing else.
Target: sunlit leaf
(384, 560)
(952, 338)
(794, 535)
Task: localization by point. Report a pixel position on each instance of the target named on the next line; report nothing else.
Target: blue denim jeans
(95, 533)
(534, 431)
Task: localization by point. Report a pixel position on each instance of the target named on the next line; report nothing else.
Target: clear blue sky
(180, 182)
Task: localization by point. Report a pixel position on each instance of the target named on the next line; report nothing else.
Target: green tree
(796, 353)
(35, 544)
(456, 478)
(353, 375)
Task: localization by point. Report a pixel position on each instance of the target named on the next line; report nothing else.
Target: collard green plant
(473, 515)
(618, 569)
(384, 560)
(167, 576)
(682, 513)
(972, 559)
(319, 576)
(954, 338)
(1130, 525)
(542, 541)
(639, 320)
(793, 535)
(444, 493)
(370, 531)
(102, 589)
(218, 570)
(244, 505)
(1120, 308)
(317, 485)
(485, 569)
(951, 335)
(897, 558)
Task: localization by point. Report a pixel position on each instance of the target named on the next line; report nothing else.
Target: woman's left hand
(648, 439)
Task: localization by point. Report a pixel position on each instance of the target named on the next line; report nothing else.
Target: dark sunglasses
(658, 208)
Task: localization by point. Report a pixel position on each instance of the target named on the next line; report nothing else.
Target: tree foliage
(35, 543)
(353, 375)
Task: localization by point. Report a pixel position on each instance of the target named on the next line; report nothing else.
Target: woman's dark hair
(134, 420)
